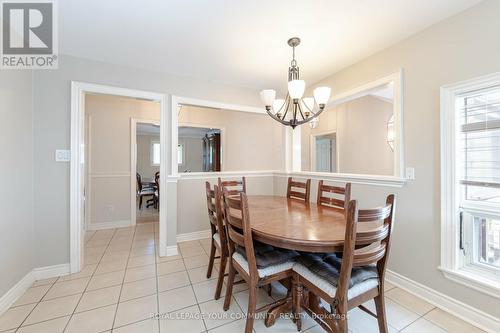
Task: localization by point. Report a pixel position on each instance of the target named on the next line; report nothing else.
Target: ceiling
(148, 129)
(242, 43)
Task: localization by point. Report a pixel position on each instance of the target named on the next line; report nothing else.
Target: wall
(192, 209)
(16, 177)
(144, 167)
(457, 49)
(193, 154)
(361, 128)
(52, 99)
(250, 140)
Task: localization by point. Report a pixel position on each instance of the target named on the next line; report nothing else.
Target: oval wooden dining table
(295, 225)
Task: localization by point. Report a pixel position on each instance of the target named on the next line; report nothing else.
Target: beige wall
(144, 167)
(251, 141)
(192, 202)
(456, 49)
(193, 154)
(361, 130)
(109, 157)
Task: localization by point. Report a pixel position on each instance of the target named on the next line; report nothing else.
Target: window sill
(468, 277)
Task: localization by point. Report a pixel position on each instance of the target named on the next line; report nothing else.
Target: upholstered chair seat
(323, 270)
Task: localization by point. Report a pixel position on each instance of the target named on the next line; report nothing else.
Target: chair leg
(211, 259)
(140, 202)
(220, 280)
(381, 317)
(229, 288)
(252, 303)
(342, 320)
(297, 300)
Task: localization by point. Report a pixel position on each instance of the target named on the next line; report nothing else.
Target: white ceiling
(242, 43)
(148, 129)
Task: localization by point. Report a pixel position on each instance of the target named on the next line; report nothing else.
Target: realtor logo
(29, 35)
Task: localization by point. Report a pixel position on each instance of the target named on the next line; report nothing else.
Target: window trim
(453, 263)
(152, 154)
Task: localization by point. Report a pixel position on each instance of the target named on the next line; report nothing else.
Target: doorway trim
(133, 163)
(312, 149)
(78, 90)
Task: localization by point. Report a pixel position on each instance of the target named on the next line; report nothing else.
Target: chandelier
(295, 109)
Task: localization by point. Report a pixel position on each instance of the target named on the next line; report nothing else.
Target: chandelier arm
(276, 118)
(284, 103)
(307, 108)
(311, 118)
(287, 102)
(300, 110)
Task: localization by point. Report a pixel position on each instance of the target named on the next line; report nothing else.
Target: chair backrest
(214, 206)
(343, 193)
(233, 186)
(139, 182)
(239, 232)
(367, 247)
(157, 182)
(298, 190)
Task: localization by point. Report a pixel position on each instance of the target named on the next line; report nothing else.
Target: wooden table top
(293, 225)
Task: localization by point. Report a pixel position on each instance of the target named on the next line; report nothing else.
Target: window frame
(455, 264)
(152, 152)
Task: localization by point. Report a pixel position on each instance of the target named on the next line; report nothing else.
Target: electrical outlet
(410, 173)
(63, 155)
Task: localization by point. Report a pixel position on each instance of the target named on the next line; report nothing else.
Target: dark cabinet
(211, 152)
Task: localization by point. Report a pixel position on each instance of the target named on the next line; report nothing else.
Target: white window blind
(480, 144)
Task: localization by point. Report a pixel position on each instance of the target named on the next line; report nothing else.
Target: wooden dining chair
(234, 186)
(258, 264)
(358, 277)
(219, 239)
(298, 190)
(341, 202)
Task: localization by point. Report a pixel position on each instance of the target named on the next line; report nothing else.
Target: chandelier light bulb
(296, 88)
(268, 96)
(322, 95)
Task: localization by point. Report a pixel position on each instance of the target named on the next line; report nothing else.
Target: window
(180, 154)
(155, 153)
(471, 183)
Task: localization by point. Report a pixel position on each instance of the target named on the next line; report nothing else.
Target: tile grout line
(156, 280)
(123, 280)
(194, 293)
(90, 279)
(37, 303)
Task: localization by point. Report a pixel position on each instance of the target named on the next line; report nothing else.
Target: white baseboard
(461, 310)
(11, 296)
(47, 272)
(190, 236)
(172, 250)
(109, 225)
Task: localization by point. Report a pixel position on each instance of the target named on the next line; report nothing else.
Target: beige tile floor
(124, 282)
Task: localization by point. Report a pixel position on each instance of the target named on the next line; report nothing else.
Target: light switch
(63, 155)
(410, 173)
